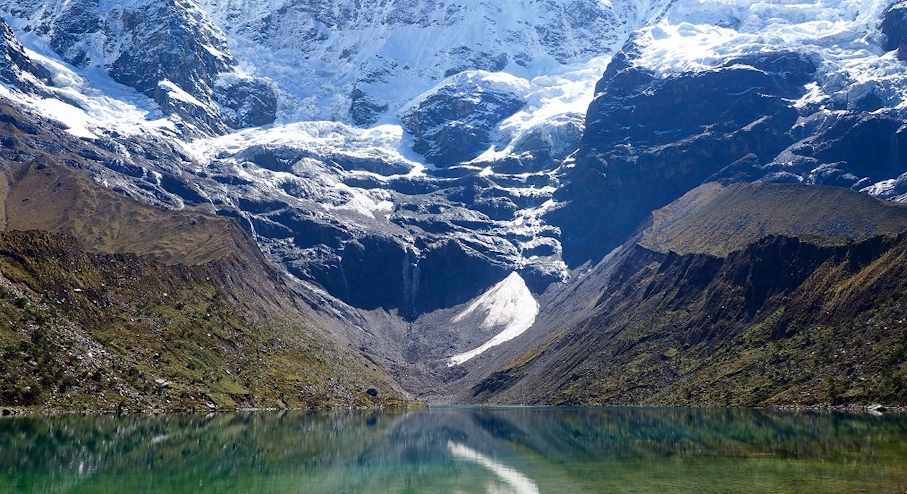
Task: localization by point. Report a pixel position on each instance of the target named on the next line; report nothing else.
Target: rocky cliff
(782, 108)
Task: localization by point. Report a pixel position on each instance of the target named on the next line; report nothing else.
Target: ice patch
(89, 99)
(508, 304)
(75, 120)
(324, 139)
(557, 99)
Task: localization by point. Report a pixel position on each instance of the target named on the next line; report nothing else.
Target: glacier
(319, 52)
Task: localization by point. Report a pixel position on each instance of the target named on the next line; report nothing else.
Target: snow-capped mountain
(168, 51)
(410, 138)
(806, 92)
(362, 60)
(408, 155)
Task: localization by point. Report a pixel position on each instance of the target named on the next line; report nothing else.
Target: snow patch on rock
(510, 305)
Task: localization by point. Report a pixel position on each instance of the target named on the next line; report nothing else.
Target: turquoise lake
(457, 450)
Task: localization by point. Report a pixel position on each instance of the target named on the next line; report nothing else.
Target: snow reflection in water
(519, 483)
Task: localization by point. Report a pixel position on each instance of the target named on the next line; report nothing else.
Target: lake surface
(457, 450)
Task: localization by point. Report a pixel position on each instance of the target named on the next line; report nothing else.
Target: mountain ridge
(750, 328)
(499, 182)
(716, 220)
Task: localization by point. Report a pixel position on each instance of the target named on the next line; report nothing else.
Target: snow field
(508, 305)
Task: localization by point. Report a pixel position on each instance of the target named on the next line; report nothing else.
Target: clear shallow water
(457, 450)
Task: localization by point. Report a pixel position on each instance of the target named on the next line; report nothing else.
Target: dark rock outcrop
(246, 102)
(453, 273)
(364, 110)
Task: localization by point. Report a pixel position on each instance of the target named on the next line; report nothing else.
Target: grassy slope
(717, 220)
(112, 304)
(105, 223)
(785, 321)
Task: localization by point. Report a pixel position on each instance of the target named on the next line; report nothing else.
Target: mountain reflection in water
(457, 450)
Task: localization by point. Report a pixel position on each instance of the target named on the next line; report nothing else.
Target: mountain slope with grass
(107, 304)
(774, 319)
(121, 331)
(717, 220)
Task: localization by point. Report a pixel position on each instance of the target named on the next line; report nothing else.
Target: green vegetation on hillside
(92, 331)
(106, 222)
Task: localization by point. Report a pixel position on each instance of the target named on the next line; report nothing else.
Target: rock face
(364, 109)
(245, 102)
(668, 135)
(377, 235)
(664, 122)
(164, 55)
(894, 27)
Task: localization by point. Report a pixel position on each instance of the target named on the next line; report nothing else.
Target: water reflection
(517, 482)
(512, 450)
